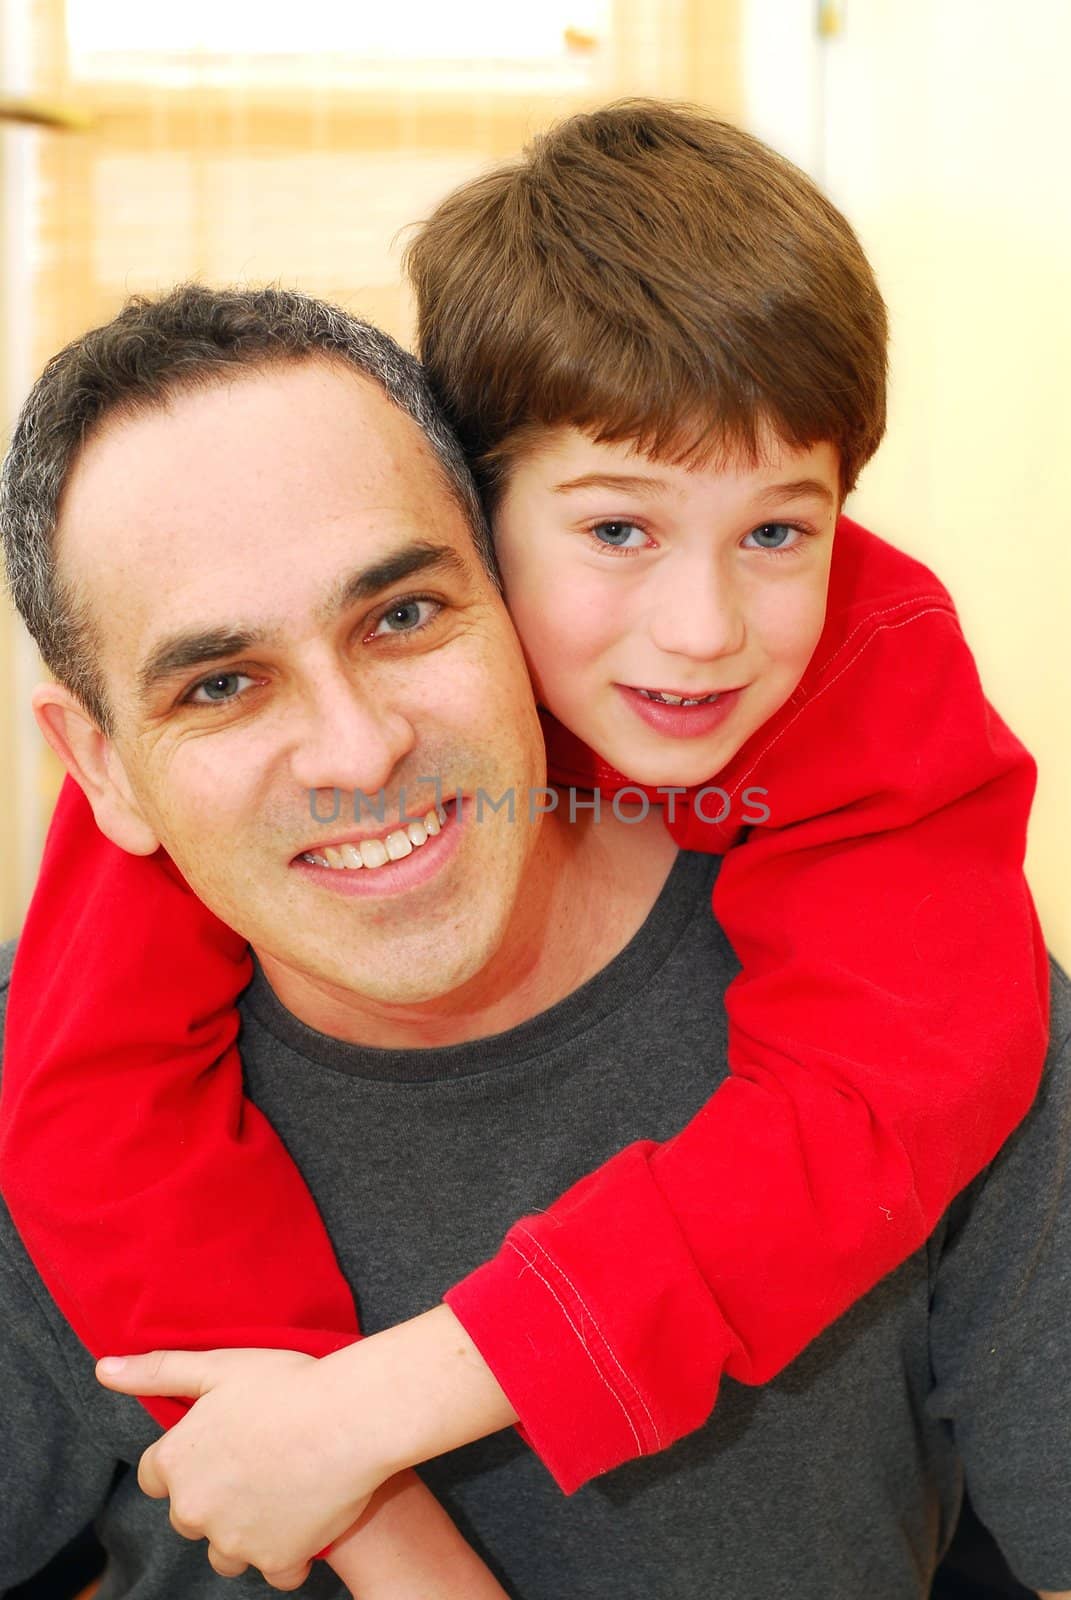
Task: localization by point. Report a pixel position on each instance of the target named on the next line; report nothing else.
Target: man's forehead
(289, 447)
(232, 507)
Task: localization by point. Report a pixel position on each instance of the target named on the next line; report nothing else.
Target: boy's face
(631, 580)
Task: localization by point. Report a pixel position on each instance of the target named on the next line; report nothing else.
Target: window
(479, 44)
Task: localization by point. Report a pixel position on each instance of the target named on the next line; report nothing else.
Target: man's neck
(588, 890)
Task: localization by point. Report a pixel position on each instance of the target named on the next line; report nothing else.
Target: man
(279, 592)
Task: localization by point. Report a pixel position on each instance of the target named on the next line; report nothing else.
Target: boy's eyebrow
(197, 647)
(626, 481)
(610, 480)
(797, 490)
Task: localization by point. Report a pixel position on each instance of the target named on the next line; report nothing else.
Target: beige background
(938, 133)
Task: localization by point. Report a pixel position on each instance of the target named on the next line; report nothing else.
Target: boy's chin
(676, 768)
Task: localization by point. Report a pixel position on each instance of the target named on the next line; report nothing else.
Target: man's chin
(422, 975)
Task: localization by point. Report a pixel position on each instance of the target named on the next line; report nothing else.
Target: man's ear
(93, 762)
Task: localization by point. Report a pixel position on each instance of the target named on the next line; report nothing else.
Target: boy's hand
(249, 1465)
(280, 1453)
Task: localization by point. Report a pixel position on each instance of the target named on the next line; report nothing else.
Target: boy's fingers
(225, 1566)
(290, 1578)
(150, 1479)
(187, 1374)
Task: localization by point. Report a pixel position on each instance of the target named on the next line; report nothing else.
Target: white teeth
(374, 852)
(676, 699)
(377, 852)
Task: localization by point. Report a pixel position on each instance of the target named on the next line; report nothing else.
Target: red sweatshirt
(886, 1034)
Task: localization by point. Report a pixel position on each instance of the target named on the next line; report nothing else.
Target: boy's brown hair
(648, 273)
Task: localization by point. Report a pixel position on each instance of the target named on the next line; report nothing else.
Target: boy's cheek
(791, 625)
(565, 622)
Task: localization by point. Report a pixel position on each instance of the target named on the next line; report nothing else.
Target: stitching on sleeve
(640, 1401)
(582, 1341)
(883, 627)
(587, 1312)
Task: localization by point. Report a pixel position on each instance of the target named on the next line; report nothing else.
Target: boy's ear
(93, 762)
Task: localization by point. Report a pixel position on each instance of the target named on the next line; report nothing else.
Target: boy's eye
(218, 689)
(406, 617)
(773, 536)
(619, 535)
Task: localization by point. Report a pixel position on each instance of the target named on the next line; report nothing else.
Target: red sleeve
(157, 1203)
(886, 1034)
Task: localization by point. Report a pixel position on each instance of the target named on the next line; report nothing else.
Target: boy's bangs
(670, 417)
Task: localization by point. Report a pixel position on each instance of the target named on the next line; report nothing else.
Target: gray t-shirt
(838, 1480)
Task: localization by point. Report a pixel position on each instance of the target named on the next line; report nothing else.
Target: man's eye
(774, 536)
(408, 616)
(218, 689)
(618, 535)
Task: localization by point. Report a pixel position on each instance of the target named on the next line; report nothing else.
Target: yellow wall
(939, 127)
(946, 141)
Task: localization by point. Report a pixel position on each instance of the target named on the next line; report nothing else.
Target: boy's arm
(406, 1547)
(885, 1036)
(122, 1117)
(123, 1110)
(280, 1453)
(242, 1466)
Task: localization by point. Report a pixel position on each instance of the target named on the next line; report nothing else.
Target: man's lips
(385, 870)
(429, 821)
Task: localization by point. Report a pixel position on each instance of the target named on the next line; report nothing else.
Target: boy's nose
(697, 614)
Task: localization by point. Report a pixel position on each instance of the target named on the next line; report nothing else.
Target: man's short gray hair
(157, 347)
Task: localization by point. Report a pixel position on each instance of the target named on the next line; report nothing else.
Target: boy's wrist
(422, 1389)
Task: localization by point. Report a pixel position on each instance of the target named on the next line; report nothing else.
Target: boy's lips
(693, 696)
(681, 721)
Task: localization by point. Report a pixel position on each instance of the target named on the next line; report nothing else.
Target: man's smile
(390, 863)
(375, 850)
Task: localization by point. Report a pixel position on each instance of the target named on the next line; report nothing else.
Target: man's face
(290, 605)
(636, 584)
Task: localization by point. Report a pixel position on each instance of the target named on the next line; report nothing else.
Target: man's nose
(698, 612)
(347, 739)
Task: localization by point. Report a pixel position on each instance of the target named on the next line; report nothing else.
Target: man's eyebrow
(611, 480)
(405, 563)
(179, 652)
